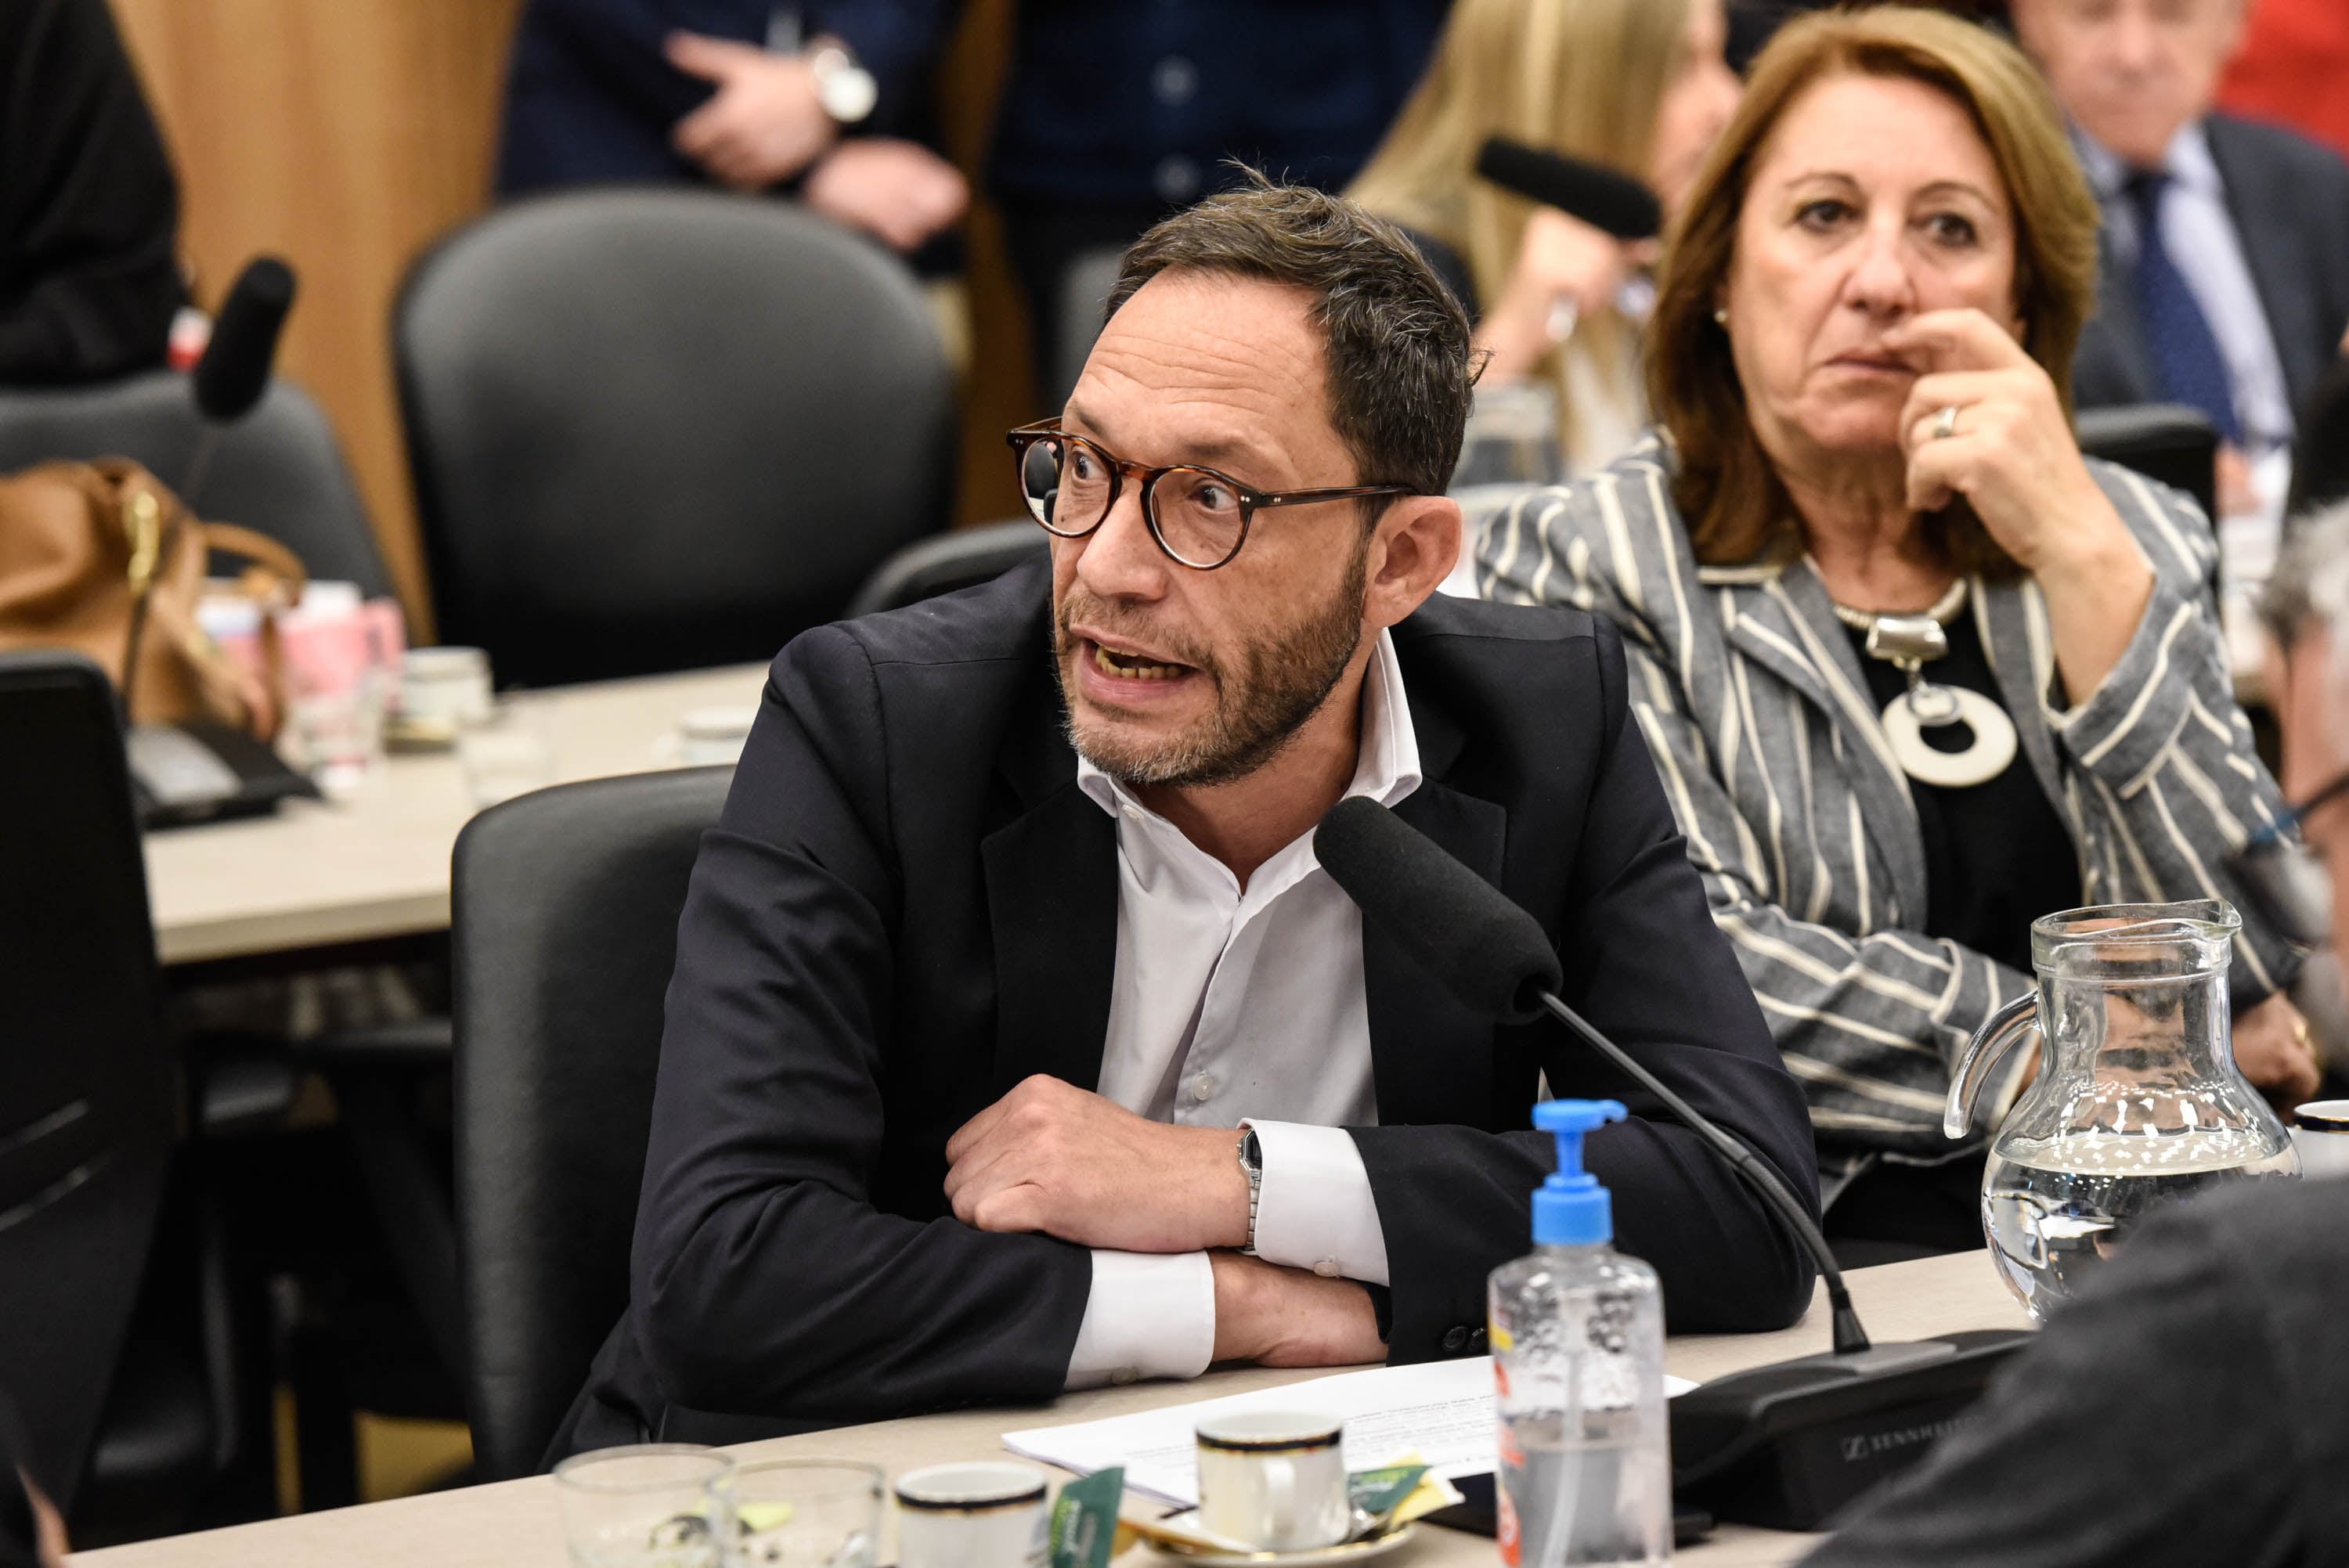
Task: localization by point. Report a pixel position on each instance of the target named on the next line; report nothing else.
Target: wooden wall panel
(345, 135)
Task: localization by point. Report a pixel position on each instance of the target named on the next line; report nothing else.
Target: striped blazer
(1760, 719)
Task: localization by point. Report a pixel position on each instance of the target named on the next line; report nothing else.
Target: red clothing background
(2293, 70)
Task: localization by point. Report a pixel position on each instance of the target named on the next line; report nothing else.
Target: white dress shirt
(1231, 1008)
(2199, 233)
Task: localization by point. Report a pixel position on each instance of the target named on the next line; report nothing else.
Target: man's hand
(1291, 1317)
(2272, 1048)
(764, 123)
(900, 193)
(1054, 1158)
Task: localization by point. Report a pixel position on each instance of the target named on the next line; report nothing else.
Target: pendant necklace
(1908, 643)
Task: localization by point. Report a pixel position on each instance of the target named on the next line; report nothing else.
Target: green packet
(1377, 1491)
(1084, 1520)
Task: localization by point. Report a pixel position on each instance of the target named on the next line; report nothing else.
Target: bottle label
(1505, 1485)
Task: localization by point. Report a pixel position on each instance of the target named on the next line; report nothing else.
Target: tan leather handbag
(101, 558)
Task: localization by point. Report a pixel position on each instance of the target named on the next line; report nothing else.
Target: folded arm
(765, 1278)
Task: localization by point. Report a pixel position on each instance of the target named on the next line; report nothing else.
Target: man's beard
(1281, 680)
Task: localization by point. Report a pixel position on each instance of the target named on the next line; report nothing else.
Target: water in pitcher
(2057, 1208)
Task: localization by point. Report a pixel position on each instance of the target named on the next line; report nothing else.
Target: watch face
(848, 93)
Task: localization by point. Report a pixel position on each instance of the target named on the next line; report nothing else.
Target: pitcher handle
(1984, 1053)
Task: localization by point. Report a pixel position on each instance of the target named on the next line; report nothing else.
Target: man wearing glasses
(1017, 1040)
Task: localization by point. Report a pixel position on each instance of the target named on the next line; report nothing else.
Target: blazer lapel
(1051, 902)
(2278, 267)
(1783, 619)
(2013, 620)
(1427, 1051)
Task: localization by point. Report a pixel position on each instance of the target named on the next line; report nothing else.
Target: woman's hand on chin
(2011, 454)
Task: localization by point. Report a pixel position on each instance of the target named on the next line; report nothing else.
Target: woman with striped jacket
(1913, 670)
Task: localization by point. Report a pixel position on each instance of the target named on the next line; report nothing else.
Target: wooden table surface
(317, 872)
(514, 1524)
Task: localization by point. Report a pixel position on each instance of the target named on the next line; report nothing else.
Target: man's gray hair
(2311, 584)
(1394, 342)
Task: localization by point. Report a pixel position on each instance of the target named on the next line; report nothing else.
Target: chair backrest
(963, 559)
(279, 469)
(565, 908)
(2165, 441)
(86, 1108)
(1085, 290)
(656, 429)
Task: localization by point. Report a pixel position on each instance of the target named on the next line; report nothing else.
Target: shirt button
(1174, 79)
(1455, 1338)
(1124, 1375)
(1327, 1268)
(1203, 1087)
(1177, 179)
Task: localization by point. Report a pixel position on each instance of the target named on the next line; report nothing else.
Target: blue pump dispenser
(1571, 1209)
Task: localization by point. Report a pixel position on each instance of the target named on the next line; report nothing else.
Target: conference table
(516, 1524)
(323, 873)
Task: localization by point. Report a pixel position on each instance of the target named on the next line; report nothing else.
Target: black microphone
(1751, 1440)
(1605, 198)
(234, 371)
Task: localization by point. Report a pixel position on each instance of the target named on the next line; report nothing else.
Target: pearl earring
(1721, 316)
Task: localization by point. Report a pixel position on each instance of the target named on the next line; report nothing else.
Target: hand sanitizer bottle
(1577, 1336)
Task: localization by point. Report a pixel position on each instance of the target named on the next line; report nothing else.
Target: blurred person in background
(2225, 242)
(89, 211)
(2293, 69)
(1113, 116)
(824, 102)
(1863, 331)
(1638, 86)
(2186, 1409)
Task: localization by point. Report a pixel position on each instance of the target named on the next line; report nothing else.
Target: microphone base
(1788, 1445)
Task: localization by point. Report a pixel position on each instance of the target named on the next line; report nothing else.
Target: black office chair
(1084, 294)
(2165, 441)
(657, 429)
(565, 906)
(122, 1434)
(280, 471)
(963, 559)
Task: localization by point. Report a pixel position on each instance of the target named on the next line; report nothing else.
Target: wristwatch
(1252, 1163)
(845, 90)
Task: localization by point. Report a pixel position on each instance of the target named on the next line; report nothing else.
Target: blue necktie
(2186, 357)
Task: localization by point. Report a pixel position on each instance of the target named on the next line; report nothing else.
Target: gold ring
(1945, 423)
(2299, 1030)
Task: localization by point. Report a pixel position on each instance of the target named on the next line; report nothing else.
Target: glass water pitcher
(2137, 1103)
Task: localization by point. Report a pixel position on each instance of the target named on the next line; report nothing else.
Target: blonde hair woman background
(1639, 86)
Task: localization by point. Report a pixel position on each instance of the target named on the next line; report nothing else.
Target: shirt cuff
(1315, 1211)
(1150, 1314)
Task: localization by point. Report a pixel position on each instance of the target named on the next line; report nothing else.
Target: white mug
(2323, 1134)
(1274, 1479)
(990, 1514)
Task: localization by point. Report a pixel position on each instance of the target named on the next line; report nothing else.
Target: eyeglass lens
(1069, 486)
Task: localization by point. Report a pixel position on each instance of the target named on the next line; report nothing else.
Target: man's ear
(1413, 550)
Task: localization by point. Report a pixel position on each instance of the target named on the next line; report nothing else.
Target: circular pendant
(1984, 760)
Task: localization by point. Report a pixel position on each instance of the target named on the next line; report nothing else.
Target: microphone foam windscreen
(1611, 201)
(234, 371)
(1489, 954)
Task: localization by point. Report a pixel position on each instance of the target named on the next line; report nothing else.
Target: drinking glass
(657, 1505)
(803, 1513)
(504, 753)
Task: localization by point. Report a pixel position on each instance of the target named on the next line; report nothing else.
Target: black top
(1997, 856)
(910, 906)
(2184, 1410)
(89, 213)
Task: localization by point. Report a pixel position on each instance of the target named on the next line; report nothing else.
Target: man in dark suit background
(2226, 243)
(1018, 1042)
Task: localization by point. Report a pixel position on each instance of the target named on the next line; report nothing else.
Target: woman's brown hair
(1730, 497)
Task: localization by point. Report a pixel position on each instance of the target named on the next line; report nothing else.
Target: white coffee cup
(1274, 1479)
(988, 1514)
(2323, 1134)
